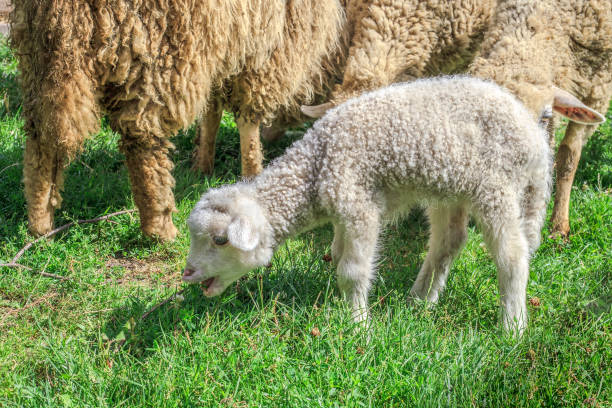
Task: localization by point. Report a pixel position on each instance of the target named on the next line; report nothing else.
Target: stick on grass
(14, 264)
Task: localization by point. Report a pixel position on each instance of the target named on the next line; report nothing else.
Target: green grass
(81, 342)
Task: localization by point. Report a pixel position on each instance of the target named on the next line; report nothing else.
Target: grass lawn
(281, 337)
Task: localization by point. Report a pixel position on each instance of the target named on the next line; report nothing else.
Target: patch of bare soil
(143, 272)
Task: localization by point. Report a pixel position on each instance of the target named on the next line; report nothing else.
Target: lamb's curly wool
(402, 40)
(533, 47)
(457, 145)
(151, 66)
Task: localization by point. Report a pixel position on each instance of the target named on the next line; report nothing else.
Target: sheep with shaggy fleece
(382, 42)
(151, 67)
(459, 144)
(401, 40)
(539, 51)
(252, 108)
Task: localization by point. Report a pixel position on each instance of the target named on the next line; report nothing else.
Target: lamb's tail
(535, 200)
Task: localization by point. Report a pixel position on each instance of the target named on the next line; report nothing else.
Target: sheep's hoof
(166, 232)
(559, 232)
(41, 225)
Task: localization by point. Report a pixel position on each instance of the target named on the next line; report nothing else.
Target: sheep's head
(230, 235)
(544, 100)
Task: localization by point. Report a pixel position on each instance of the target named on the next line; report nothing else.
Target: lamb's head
(230, 235)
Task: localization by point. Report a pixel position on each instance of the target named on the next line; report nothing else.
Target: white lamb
(457, 144)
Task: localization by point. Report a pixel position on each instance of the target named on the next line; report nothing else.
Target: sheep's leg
(510, 249)
(204, 154)
(356, 265)
(447, 237)
(568, 156)
(44, 163)
(337, 247)
(57, 121)
(151, 179)
(250, 147)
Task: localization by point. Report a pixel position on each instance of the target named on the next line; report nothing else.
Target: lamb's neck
(286, 190)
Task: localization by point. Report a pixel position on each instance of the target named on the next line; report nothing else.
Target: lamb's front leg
(356, 266)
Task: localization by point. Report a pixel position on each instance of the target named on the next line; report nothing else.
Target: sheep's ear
(316, 111)
(569, 106)
(242, 234)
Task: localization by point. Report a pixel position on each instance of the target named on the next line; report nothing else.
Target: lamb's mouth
(208, 282)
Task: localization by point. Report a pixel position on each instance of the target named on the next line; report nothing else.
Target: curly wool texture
(151, 66)
(457, 145)
(399, 40)
(533, 46)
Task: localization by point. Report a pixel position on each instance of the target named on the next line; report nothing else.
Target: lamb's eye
(220, 240)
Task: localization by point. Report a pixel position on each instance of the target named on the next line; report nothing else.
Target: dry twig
(65, 227)
(13, 263)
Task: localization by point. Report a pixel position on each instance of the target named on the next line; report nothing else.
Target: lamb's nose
(188, 272)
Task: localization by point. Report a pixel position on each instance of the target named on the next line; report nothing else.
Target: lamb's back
(446, 134)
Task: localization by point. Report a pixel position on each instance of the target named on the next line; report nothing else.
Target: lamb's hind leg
(356, 264)
(337, 247)
(508, 244)
(447, 237)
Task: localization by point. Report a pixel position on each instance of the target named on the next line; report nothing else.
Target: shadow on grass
(291, 280)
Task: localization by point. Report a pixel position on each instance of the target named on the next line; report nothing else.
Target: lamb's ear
(569, 106)
(242, 234)
(316, 111)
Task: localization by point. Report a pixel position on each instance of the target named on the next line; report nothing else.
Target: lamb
(151, 67)
(534, 47)
(366, 163)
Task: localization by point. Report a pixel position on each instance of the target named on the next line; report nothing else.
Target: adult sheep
(400, 40)
(540, 49)
(150, 66)
(382, 42)
(537, 50)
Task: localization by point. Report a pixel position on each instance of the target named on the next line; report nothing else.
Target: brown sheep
(385, 41)
(534, 47)
(237, 98)
(151, 66)
(401, 40)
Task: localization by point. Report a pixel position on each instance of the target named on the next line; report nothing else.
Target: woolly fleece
(455, 145)
(151, 66)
